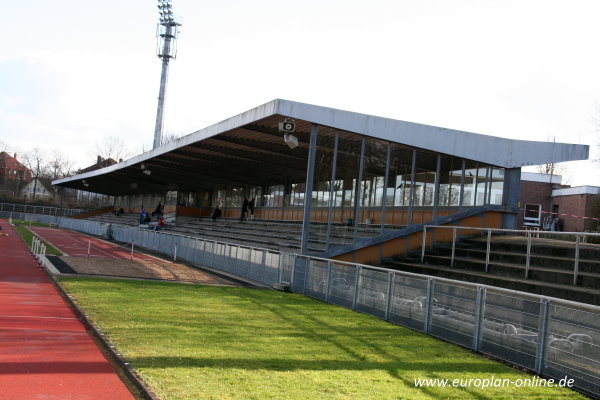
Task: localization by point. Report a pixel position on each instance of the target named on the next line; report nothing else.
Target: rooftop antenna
(166, 49)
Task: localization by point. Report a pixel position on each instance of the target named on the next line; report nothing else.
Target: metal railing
(31, 209)
(550, 336)
(529, 235)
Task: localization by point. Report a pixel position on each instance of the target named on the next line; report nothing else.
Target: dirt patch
(146, 269)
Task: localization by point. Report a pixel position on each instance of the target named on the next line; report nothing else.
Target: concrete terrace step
(542, 274)
(264, 230)
(271, 234)
(279, 226)
(233, 234)
(570, 292)
(278, 240)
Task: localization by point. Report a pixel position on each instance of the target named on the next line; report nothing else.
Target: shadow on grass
(290, 364)
(430, 370)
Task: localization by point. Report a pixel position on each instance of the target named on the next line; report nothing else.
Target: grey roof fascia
(507, 153)
(256, 114)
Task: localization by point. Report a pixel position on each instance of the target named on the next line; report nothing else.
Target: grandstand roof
(248, 149)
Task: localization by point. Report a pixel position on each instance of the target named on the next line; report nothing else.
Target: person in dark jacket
(217, 213)
(251, 208)
(243, 217)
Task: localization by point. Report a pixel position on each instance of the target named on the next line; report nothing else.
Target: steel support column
(332, 188)
(436, 188)
(310, 172)
(385, 186)
(413, 173)
(359, 186)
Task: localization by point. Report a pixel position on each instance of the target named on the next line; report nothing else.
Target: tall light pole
(166, 49)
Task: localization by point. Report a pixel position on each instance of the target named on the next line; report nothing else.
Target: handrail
(39, 209)
(489, 231)
(512, 230)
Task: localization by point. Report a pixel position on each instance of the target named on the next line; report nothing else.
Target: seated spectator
(143, 215)
(160, 224)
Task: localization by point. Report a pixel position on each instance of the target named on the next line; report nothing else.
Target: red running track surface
(76, 244)
(45, 351)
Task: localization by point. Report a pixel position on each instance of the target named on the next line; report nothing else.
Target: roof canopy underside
(248, 150)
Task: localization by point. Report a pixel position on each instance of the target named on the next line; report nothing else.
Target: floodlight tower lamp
(166, 49)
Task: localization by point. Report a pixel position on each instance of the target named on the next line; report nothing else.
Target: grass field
(200, 342)
(28, 236)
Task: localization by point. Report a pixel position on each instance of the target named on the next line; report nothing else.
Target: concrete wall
(372, 255)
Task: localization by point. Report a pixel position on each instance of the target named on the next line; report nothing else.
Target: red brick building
(547, 204)
(575, 202)
(100, 163)
(13, 175)
(11, 168)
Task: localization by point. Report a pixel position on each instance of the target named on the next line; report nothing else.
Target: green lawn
(199, 342)
(28, 236)
(28, 223)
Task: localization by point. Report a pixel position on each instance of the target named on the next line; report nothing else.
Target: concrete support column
(510, 196)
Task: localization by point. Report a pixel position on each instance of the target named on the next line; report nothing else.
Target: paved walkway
(45, 351)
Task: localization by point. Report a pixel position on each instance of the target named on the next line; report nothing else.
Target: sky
(73, 72)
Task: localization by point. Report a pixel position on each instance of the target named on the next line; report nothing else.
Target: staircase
(550, 272)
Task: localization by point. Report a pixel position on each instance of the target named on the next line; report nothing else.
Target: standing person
(251, 208)
(244, 209)
(159, 210)
(142, 215)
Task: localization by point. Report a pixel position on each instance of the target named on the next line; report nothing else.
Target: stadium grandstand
(327, 182)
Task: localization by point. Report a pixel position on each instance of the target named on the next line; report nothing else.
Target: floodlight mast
(166, 49)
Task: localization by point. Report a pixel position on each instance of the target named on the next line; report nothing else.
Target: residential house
(38, 189)
(13, 175)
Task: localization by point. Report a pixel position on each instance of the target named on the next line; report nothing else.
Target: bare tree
(595, 122)
(4, 146)
(112, 147)
(551, 168)
(171, 137)
(59, 165)
(35, 160)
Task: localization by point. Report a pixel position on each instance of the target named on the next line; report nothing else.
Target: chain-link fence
(549, 336)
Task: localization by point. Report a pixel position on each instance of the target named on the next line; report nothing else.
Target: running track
(45, 351)
(76, 245)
